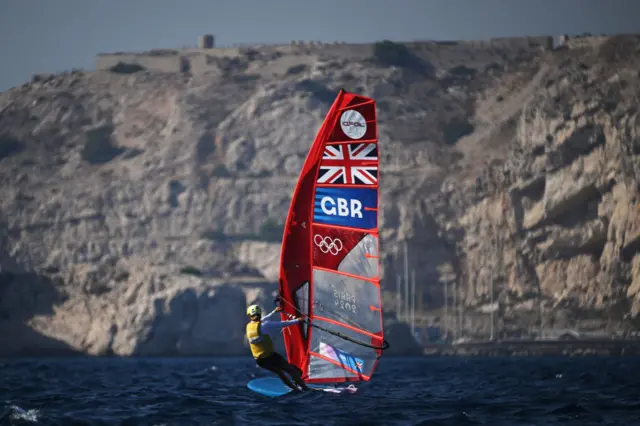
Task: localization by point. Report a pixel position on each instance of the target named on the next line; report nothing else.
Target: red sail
(329, 268)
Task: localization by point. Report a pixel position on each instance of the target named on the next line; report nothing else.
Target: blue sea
(404, 391)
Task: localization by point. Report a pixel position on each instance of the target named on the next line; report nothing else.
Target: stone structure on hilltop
(206, 42)
(202, 59)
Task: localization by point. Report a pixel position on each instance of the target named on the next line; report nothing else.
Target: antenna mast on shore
(445, 318)
(492, 306)
(406, 281)
(413, 303)
(398, 295)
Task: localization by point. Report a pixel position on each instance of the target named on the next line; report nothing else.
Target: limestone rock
(142, 213)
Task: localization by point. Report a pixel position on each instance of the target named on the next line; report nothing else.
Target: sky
(40, 36)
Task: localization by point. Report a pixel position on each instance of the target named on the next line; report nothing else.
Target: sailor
(261, 345)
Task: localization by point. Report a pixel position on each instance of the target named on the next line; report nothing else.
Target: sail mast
(406, 281)
(445, 318)
(413, 303)
(491, 290)
(454, 316)
(460, 307)
(398, 296)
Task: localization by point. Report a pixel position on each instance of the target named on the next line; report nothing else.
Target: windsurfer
(261, 345)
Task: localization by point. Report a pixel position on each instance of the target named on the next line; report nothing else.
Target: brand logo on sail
(353, 124)
(327, 244)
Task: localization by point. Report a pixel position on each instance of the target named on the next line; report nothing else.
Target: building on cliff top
(201, 59)
(206, 41)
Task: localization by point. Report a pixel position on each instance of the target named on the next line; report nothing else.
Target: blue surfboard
(273, 387)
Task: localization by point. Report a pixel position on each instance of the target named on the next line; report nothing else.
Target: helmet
(254, 310)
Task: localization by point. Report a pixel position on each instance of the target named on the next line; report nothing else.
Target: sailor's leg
(272, 365)
(293, 371)
(286, 380)
(296, 374)
(283, 377)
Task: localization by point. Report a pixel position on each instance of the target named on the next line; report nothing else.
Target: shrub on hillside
(390, 54)
(124, 68)
(221, 171)
(245, 78)
(454, 130)
(297, 69)
(261, 174)
(270, 230)
(619, 47)
(191, 270)
(463, 71)
(9, 146)
(99, 147)
(214, 235)
(317, 90)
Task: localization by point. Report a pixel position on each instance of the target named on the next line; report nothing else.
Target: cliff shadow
(433, 250)
(22, 340)
(23, 295)
(206, 321)
(401, 342)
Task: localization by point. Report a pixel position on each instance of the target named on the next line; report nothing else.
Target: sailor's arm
(270, 314)
(270, 326)
(283, 324)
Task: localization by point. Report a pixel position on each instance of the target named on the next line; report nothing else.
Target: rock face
(142, 212)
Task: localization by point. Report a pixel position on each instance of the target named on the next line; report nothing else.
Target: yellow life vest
(261, 344)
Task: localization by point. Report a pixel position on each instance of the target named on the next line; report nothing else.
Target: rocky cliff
(142, 211)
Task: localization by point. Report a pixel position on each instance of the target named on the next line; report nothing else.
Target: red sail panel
(295, 256)
(350, 251)
(345, 281)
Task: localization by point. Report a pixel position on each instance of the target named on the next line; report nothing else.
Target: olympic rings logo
(328, 245)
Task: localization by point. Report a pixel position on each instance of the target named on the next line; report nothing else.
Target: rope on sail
(385, 344)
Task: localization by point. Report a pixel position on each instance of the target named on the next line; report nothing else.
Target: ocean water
(404, 391)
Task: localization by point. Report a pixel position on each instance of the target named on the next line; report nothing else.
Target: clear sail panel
(334, 356)
(362, 260)
(348, 300)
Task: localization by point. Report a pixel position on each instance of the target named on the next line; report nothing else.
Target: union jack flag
(359, 365)
(349, 164)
